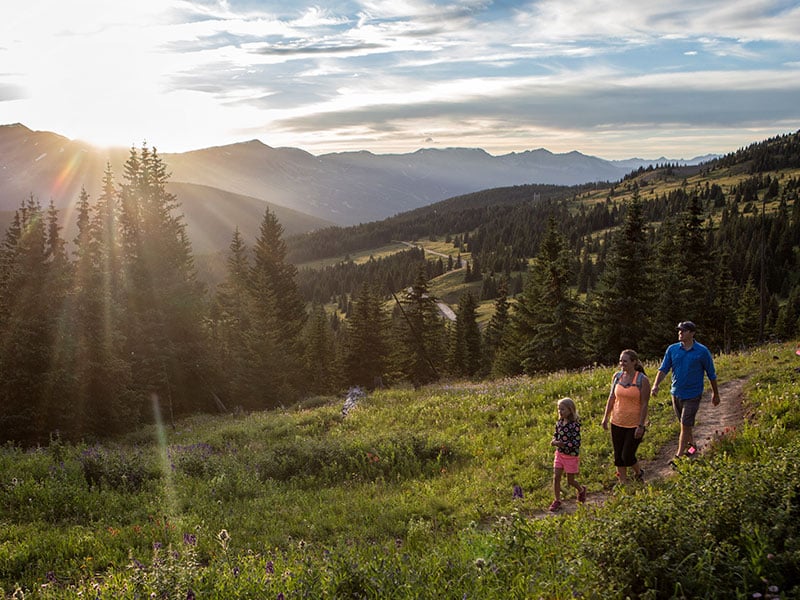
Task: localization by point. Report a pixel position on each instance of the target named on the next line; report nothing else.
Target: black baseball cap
(687, 326)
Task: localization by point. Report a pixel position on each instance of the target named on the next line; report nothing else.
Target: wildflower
(281, 596)
(224, 538)
(190, 595)
(235, 571)
(189, 539)
(51, 576)
(480, 563)
(517, 492)
(157, 545)
(269, 567)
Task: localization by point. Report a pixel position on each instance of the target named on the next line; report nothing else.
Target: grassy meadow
(411, 495)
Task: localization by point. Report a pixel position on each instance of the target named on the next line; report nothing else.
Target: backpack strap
(637, 380)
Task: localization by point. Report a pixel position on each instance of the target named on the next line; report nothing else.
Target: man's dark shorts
(686, 410)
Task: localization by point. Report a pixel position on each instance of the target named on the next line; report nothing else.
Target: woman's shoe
(582, 495)
(555, 505)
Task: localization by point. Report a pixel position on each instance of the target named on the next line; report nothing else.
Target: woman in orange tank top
(626, 409)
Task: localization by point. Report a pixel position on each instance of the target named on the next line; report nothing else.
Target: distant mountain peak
(344, 188)
(15, 126)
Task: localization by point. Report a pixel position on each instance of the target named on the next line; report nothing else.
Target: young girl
(567, 440)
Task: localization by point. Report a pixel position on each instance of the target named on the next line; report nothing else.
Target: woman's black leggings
(625, 445)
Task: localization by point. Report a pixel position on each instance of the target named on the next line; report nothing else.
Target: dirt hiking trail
(711, 422)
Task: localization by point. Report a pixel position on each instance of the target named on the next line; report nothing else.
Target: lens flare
(161, 437)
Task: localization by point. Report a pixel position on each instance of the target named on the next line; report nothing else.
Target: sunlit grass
(415, 485)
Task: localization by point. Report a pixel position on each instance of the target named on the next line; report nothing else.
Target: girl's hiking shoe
(582, 495)
(555, 505)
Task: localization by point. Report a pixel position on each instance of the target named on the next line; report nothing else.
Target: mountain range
(223, 187)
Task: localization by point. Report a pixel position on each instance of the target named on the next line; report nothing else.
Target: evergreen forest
(114, 328)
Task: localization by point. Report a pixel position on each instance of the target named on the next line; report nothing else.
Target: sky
(609, 78)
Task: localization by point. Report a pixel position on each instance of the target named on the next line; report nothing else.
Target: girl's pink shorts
(569, 464)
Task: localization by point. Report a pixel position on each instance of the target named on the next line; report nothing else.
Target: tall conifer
(163, 299)
(367, 348)
(420, 333)
(465, 343)
(621, 309)
(545, 332)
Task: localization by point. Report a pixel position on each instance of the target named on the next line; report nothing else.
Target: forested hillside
(730, 225)
(117, 330)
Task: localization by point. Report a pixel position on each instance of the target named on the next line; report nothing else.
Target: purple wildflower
(190, 595)
(517, 491)
(157, 545)
(269, 567)
(281, 596)
(190, 539)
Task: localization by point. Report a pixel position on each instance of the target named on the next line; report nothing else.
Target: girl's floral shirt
(568, 432)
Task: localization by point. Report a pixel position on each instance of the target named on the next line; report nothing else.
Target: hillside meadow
(411, 495)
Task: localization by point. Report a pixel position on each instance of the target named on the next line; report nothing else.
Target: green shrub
(720, 529)
(334, 460)
(128, 469)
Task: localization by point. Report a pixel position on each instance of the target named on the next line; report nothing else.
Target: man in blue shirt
(689, 361)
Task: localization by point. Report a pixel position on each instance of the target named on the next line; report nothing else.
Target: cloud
(9, 91)
(327, 50)
(388, 73)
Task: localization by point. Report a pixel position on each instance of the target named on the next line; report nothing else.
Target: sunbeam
(169, 501)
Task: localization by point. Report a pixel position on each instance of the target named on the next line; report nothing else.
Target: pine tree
(621, 308)
(367, 348)
(586, 276)
(271, 265)
(545, 332)
(319, 360)
(747, 315)
(32, 372)
(231, 323)
(668, 307)
(697, 286)
(279, 317)
(163, 299)
(495, 329)
(465, 343)
(724, 318)
(787, 324)
(420, 334)
(269, 361)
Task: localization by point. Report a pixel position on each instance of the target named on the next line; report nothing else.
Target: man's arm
(711, 372)
(659, 378)
(714, 392)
